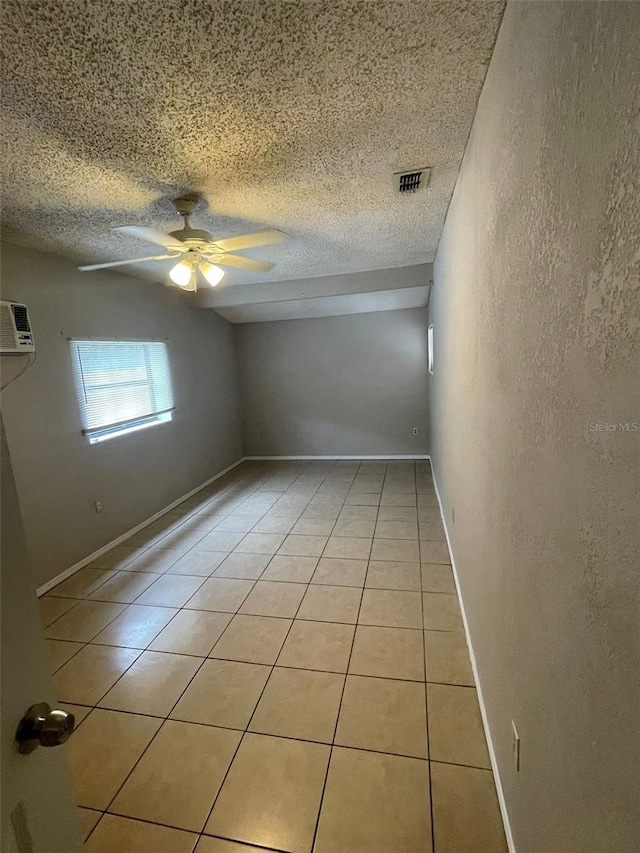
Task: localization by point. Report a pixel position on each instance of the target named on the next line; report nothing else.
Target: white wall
(536, 306)
(353, 385)
(58, 474)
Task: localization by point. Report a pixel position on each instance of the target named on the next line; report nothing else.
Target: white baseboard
(329, 458)
(483, 711)
(86, 560)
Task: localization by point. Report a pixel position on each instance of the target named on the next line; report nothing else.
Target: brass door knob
(41, 726)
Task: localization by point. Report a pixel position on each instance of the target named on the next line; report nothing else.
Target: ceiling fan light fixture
(212, 273)
(181, 274)
(194, 245)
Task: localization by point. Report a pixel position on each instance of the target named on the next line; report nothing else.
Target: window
(122, 386)
(430, 342)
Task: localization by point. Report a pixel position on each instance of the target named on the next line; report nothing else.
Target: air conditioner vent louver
(21, 317)
(8, 340)
(411, 181)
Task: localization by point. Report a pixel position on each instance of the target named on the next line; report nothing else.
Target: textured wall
(536, 306)
(335, 385)
(58, 474)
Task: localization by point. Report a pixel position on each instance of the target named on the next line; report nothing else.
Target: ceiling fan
(195, 249)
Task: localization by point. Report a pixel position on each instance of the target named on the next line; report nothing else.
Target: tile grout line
(267, 580)
(164, 719)
(160, 727)
(128, 604)
(140, 651)
(254, 581)
(75, 654)
(259, 577)
(288, 737)
(344, 684)
(198, 835)
(281, 666)
(155, 637)
(145, 549)
(426, 698)
(213, 805)
(234, 613)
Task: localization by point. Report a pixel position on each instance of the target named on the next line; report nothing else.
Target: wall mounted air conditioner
(15, 329)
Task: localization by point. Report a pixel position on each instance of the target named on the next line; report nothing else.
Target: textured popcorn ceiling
(286, 114)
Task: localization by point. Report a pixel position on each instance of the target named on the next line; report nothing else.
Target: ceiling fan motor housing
(192, 236)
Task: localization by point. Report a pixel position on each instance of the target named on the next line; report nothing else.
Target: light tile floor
(248, 673)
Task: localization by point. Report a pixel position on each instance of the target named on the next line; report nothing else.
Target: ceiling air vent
(411, 181)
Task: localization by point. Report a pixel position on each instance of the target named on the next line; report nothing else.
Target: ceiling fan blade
(244, 263)
(151, 235)
(249, 241)
(89, 267)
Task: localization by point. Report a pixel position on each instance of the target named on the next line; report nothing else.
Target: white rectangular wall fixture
(430, 344)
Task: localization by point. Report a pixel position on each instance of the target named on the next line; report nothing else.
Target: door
(38, 813)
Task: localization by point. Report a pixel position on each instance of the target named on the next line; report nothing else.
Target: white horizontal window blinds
(121, 386)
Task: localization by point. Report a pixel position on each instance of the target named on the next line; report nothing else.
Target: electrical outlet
(416, 430)
(515, 746)
(98, 505)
